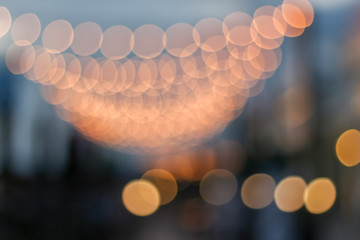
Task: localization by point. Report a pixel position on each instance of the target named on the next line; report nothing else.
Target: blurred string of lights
(158, 187)
(153, 91)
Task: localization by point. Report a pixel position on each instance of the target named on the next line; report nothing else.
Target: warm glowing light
(218, 187)
(347, 148)
(141, 198)
(26, 29)
(118, 42)
(88, 38)
(298, 13)
(265, 23)
(164, 182)
(58, 36)
(5, 21)
(283, 27)
(320, 195)
(258, 191)
(289, 194)
(150, 41)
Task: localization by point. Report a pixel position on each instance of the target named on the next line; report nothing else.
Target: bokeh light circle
(165, 182)
(320, 195)
(26, 29)
(150, 41)
(5, 21)
(141, 198)
(257, 191)
(88, 38)
(118, 42)
(289, 194)
(347, 148)
(58, 36)
(218, 187)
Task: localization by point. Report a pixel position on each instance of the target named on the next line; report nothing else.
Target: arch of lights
(153, 91)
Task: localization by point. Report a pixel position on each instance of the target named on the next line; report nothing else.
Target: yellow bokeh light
(258, 191)
(320, 195)
(289, 194)
(218, 187)
(141, 197)
(347, 148)
(165, 182)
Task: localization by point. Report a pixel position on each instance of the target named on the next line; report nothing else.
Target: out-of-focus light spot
(180, 41)
(320, 195)
(141, 197)
(298, 13)
(196, 215)
(218, 187)
(118, 42)
(20, 59)
(347, 148)
(88, 38)
(265, 23)
(90, 74)
(164, 182)
(283, 27)
(58, 36)
(289, 194)
(150, 41)
(208, 34)
(5, 21)
(41, 65)
(26, 29)
(72, 73)
(258, 191)
(236, 28)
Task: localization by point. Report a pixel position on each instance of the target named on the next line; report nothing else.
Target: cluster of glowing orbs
(257, 191)
(320, 195)
(26, 29)
(5, 21)
(218, 187)
(164, 182)
(88, 38)
(204, 79)
(347, 148)
(289, 194)
(58, 36)
(141, 198)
